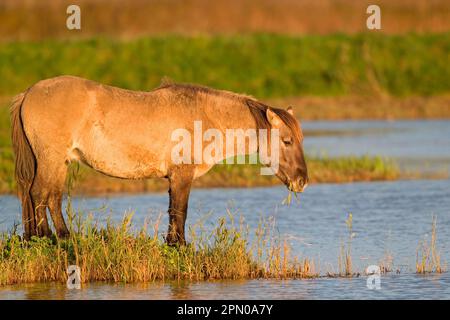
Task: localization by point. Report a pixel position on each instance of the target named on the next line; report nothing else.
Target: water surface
(390, 218)
(422, 145)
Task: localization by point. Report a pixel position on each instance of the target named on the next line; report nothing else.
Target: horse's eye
(287, 141)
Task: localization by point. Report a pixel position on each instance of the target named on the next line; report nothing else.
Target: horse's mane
(257, 108)
(192, 89)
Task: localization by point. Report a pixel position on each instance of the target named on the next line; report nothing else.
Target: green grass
(320, 168)
(263, 65)
(352, 168)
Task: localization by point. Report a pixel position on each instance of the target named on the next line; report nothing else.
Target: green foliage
(263, 65)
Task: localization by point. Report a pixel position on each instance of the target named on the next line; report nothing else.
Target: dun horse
(127, 134)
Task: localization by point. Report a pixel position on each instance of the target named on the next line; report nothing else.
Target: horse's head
(292, 168)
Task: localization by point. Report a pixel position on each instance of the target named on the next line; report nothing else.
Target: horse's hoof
(64, 235)
(175, 242)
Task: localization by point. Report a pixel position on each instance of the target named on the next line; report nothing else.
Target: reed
(428, 258)
(345, 251)
(386, 263)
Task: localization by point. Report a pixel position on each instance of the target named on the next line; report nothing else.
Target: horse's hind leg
(39, 194)
(55, 201)
(47, 193)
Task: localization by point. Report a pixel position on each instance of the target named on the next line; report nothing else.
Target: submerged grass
(118, 253)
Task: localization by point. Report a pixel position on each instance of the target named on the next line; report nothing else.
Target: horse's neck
(239, 119)
(237, 115)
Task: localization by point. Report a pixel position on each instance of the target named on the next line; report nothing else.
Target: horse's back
(116, 131)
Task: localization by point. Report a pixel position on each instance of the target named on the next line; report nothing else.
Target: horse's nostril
(304, 186)
(302, 183)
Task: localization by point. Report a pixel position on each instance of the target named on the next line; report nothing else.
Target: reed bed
(118, 252)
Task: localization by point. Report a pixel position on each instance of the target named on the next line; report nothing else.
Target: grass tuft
(428, 259)
(345, 252)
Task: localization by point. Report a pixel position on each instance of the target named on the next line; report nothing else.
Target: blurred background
(317, 56)
(40, 19)
(316, 53)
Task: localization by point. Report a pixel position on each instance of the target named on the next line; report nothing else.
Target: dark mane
(193, 89)
(258, 110)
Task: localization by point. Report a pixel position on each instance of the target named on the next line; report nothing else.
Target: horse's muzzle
(298, 185)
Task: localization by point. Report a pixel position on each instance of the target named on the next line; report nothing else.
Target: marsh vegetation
(126, 253)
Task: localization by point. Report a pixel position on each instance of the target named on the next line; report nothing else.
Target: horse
(127, 134)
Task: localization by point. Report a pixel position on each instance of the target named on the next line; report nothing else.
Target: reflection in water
(407, 286)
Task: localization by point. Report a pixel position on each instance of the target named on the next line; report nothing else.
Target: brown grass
(37, 19)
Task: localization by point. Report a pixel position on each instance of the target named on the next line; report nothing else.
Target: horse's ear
(273, 118)
(290, 110)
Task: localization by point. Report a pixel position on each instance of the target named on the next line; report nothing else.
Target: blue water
(389, 218)
(423, 145)
(405, 286)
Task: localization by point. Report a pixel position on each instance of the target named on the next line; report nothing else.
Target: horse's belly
(129, 162)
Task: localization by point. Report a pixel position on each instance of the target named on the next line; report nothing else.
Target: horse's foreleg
(55, 204)
(179, 188)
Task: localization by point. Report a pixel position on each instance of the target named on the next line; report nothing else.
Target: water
(389, 218)
(420, 145)
(392, 287)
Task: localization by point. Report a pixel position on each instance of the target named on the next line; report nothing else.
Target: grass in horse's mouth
(287, 201)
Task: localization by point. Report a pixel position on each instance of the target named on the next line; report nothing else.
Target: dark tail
(25, 168)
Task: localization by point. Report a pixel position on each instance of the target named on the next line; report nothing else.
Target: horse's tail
(25, 165)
